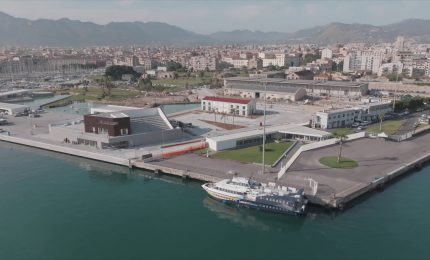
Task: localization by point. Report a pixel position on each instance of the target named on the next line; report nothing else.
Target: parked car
(355, 124)
(420, 109)
(365, 123)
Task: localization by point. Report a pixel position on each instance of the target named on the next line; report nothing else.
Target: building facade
(294, 89)
(202, 63)
(345, 117)
(223, 105)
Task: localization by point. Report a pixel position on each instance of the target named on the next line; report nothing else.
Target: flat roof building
(12, 109)
(226, 105)
(14, 95)
(126, 128)
(281, 86)
(255, 136)
(345, 117)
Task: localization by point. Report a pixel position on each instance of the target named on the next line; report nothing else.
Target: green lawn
(345, 163)
(388, 127)
(96, 94)
(253, 154)
(181, 82)
(341, 131)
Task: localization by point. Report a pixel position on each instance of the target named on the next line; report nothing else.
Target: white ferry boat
(252, 194)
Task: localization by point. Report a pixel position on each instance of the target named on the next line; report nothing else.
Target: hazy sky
(207, 16)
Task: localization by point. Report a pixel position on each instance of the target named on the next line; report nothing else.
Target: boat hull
(252, 204)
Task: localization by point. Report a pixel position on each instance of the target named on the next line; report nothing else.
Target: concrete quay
(337, 187)
(379, 162)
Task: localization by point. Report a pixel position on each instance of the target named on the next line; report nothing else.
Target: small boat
(252, 194)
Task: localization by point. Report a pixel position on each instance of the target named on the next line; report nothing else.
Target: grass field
(97, 94)
(346, 131)
(253, 154)
(345, 163)
(388, 127)
(181, 82)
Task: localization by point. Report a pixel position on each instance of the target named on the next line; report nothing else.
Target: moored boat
(252, 194)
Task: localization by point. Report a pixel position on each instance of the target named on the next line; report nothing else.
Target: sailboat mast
(263, 170)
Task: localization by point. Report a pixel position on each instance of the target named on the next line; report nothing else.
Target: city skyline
(235, 15)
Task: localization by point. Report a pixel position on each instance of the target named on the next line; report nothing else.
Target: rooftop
(289, 129)
(228, 100)
(14, 92)
(11, 106)
(297, 82)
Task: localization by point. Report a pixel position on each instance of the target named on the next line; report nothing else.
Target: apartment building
(202, 63)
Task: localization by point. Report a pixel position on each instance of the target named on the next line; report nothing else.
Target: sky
(208, 16)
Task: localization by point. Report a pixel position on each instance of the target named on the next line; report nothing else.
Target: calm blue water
(60, 207)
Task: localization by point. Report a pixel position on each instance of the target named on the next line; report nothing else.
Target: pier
(379, 163)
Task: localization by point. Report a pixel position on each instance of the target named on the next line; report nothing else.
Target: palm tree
(342, 137)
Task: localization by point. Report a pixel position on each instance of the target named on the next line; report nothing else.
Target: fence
(316, 145)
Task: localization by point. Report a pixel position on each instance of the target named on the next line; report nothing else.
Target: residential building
(202, 63)
(326, 54)
(226, 105)
(255, 63)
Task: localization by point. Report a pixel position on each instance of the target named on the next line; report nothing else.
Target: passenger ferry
(252, 194)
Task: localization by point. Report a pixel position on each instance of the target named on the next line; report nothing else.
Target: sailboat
(252, 194)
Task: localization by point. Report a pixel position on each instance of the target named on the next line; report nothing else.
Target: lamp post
(264, 130)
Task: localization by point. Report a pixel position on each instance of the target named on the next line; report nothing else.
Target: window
(124, 131)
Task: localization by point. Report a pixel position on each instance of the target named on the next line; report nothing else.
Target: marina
(336, 188)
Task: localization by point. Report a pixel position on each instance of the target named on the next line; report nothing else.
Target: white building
(12, 109)
(391, 67)
(345, 117)
(223, 105)
(293, 90)
(238, 62)
(202, 63)
(255, 136)
(326, 54)
(400, 43)
(363, 60)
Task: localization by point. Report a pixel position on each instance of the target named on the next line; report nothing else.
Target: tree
(145, 84)
(106, 84)
(224, 65)
(115, 72)
(342, 137)
(173, 66)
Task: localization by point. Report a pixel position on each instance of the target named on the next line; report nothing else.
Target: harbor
(380, 161)
(113, 212)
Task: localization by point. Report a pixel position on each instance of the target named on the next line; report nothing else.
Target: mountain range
(73, 33)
